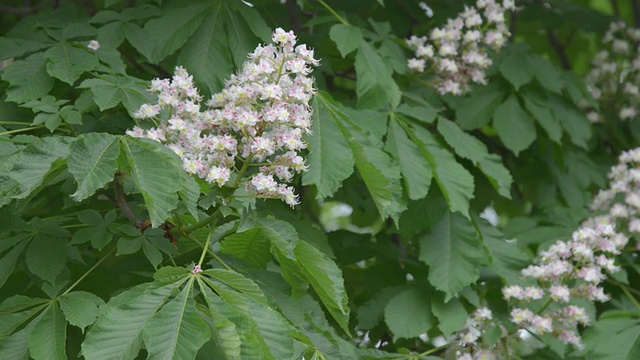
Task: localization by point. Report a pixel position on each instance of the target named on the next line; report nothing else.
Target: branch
(559, 48)
(122, 204)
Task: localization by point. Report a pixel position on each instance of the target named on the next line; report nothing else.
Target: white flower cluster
(615, 72)
(619, 205)
(458, 51)
(258, 119)
(565, 271)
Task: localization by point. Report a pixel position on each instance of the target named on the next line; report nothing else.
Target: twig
(122, 204)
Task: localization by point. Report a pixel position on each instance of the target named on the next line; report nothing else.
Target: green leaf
(152, 253)
(507, 258)
(330, 159)
(420, 113)
(48, 339)
(451, 315)
(573, 121)
(206, 53)
(67, 62)
(251, 246)
(172, 30)
(28, 79)
(271, 329)
(111, 90)
(454, 252)
(238, 282)
(408, 314)
(538, 106)
(156, 172)
(8, 262)
(16, 346)
(415, 169)
(33, 163)
(238, 335)
(513, 68)
(117, 332)
(347, 38)
(622, 339)
(92, 162)
(80, 308)
(176, 331)
(514, 125)
(372, 312)
(470, 148)
(375, 87)
(455, 182)
(281, 234)
(547, 74)
(46, 256)
(326, 279)
(129, 245)
(477, 110)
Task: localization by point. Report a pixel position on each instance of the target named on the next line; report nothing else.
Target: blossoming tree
(314, 179)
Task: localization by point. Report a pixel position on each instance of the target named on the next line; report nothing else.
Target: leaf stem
(21, 130)
(334, 13)
(629, 295)
(431, 351)
(89, 271)
(200, 224)
(214, 255)
(15, 123)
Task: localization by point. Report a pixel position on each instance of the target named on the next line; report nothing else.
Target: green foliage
(110, 250)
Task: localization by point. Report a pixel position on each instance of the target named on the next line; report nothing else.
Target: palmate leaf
(455, 182)
(234, 330)
(622, 336)
(380, 174)
(415, 169)
(67, 62)
(514, 125)
(326, 279)
(32, 164)
(330, 159)
(251, 246)
(48, 339)
(408, 314)
(117, 332)
(375, 87)
(347, 38)
(176, 331)
(281, 234)
(156, 172)
(451, 315)
(206, 55)
(8, 261)
(92, 162)
(238, 282)
(269, 329)
(28, 79)
(80, 308)
(454, 252)
(16, 346)
(46, 256)
(470, 148)
(110, 90)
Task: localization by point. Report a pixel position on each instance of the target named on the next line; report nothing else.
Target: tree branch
(123, 205)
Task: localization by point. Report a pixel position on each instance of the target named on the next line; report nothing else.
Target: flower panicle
(458, 51)
(260, 116)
